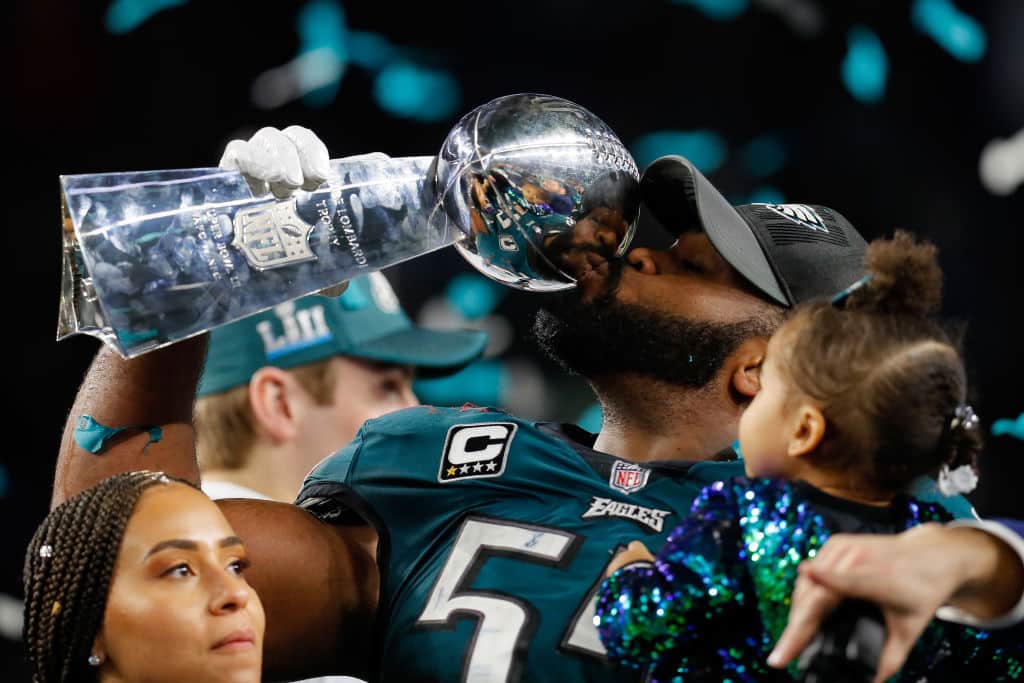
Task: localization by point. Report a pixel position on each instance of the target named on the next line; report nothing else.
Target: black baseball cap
(790, 252)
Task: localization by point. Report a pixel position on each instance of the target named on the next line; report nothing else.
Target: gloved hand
(279, 161)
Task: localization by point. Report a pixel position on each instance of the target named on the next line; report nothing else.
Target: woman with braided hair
(859, 396)
(139, 578)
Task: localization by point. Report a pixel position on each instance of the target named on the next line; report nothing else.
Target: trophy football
(531, 189)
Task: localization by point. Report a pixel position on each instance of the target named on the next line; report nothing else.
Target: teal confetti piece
(155, 434)
(592, 418)
(1009, 427)
(705, 148)
(957, 33)
(92, 436)
(865, 68)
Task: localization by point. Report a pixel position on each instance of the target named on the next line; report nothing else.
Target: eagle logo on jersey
(628, 477)
(800, 213)
(475, 451)
(652, 518)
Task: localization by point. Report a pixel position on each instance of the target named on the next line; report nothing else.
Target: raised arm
(156, 389)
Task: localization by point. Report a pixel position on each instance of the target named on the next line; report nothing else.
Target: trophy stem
(154, 257)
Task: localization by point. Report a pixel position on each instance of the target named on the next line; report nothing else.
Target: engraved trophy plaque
(529, 188)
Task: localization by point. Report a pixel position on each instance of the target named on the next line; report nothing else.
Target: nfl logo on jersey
(628, 477)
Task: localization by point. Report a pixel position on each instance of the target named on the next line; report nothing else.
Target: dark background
(171, 92)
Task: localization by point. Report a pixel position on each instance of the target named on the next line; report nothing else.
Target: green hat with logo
(365, 322)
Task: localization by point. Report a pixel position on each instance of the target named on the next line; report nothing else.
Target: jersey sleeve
(647, 613)
(326, 492)
(1011, 532)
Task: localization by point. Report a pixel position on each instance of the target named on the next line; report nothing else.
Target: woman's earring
(94, 660)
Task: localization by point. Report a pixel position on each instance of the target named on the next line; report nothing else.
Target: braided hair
(67, 575)
(889, 379)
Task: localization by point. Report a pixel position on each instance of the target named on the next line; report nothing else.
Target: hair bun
(906, 277)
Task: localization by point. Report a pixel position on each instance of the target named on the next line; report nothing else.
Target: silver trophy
(533, 190)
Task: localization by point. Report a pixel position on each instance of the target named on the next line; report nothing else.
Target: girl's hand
(635, 552)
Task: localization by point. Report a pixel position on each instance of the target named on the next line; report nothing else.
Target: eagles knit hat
(364, 322)
(790, 252)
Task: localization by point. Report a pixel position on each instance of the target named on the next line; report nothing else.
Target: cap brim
(680, 198)
(437, 352)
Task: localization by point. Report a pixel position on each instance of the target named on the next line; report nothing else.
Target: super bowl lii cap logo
(299, 329)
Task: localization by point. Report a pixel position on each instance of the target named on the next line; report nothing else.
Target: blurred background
(898, 113)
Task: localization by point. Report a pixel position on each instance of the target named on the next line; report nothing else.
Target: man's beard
(605, 337)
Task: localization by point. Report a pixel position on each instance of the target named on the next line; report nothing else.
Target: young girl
(859, 396)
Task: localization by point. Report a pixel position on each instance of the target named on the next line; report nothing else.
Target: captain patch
(652, 518)
(475, 451)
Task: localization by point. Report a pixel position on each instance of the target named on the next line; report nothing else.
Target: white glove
(279, 161)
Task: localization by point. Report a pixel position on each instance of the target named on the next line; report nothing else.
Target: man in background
(284, 388)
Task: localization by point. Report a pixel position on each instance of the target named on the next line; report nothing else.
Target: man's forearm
(993, 573)
(155, 389)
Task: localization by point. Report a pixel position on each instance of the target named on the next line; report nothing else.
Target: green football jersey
(494, 536)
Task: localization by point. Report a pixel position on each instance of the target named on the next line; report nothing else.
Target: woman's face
(179, 607)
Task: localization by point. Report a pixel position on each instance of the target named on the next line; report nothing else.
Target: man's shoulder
(711, 471)
(422, 428)
(433, 419)
(404, 440)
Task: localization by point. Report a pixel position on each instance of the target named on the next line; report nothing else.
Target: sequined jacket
(717, 597)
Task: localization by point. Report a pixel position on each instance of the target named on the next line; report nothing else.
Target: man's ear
(272, 399)
(808, 430)
(642, 259)
(745, 364)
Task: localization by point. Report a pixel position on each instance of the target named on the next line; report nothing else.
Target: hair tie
(964, 418)
(962, 479)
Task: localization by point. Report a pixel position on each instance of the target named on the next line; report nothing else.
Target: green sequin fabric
(717, 597)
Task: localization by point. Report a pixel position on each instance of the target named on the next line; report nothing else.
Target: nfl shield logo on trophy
(272, 235)
(628, 477)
